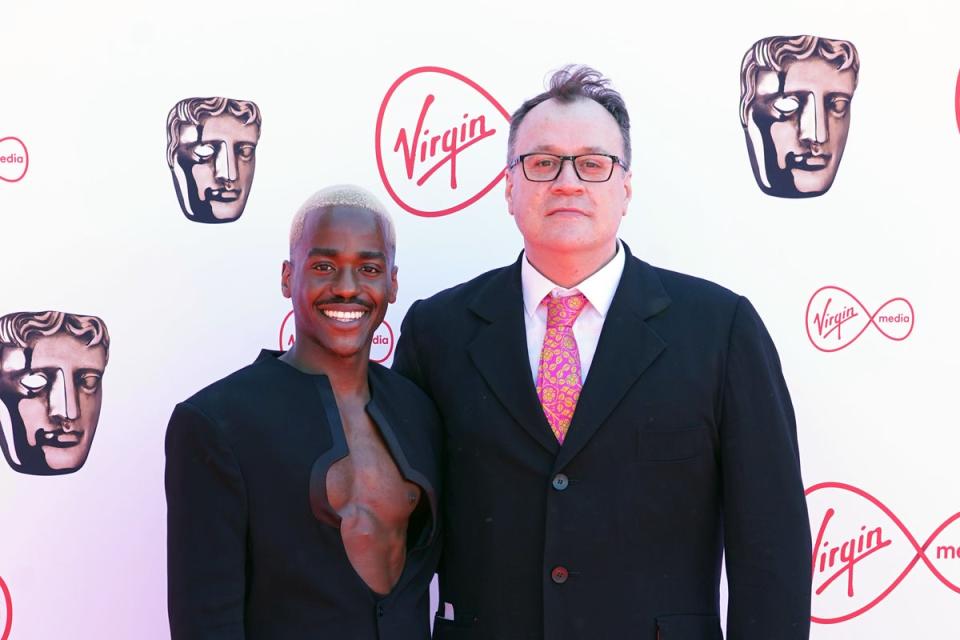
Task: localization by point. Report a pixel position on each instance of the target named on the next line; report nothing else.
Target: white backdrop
(94, 227)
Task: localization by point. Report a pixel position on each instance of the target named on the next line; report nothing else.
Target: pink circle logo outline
(921, 551)
(26, 156)
(957, 101)
(8, 603)
(379, 132)
(391, 344)
(833, 323)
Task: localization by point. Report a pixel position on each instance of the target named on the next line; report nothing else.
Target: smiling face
(213, 167)
(340, 278)
(52, 393)
(797, 127)
(568, 216)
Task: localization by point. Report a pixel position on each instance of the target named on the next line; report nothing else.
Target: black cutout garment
(254, 550)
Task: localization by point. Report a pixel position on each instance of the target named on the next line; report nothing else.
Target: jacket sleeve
(406, 360)
(206, 530)
(766, 528)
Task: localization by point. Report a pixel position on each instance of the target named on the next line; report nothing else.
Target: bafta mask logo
(211, 151)
(795, 95)
(51, 369)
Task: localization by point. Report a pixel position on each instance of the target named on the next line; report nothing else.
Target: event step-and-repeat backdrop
(805, 156)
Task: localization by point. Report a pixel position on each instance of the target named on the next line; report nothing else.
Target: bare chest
(367, 479)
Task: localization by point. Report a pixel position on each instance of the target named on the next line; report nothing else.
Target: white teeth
(343, 316)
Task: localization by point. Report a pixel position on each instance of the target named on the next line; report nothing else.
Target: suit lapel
(626, 348)
(499, 352)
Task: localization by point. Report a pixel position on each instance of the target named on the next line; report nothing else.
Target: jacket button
(560, 482)
(559, 575)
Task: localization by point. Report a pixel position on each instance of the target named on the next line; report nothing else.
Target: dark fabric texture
(246, 557)
(683, 445)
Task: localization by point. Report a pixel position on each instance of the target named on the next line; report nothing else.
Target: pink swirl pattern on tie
(558, 377)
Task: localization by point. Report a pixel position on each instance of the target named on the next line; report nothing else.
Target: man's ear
(392, 294)
(628, 190)
(508, 190)
(286, 272)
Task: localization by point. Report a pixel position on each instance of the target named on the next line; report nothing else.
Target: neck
(567, 269)
(348, 375)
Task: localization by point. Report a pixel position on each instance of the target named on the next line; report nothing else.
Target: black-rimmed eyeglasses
(545, 167)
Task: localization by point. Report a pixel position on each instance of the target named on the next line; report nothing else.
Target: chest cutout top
(358, 487)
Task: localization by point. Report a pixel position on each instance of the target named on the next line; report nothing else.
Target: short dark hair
(573, 82)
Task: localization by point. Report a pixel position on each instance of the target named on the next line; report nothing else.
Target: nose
(63, 398)
(567, 182)
(345, 284)
(225, 167)
(813, 125)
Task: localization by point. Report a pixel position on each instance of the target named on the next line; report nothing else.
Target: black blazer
(246, 465)
(683, 446)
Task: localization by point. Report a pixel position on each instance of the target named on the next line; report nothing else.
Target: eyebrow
(548, 148)
(332, 253)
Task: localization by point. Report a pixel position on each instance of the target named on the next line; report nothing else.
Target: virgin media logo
(862, 551)
(6, 613)
(381, 347)
(14, 159)
(440, 141)
(835, 319)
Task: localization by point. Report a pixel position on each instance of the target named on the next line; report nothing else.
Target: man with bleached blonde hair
(303, 489)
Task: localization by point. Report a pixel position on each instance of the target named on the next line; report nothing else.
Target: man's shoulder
(400, 391)
(683, 287)
(462, 294)
(233, 390)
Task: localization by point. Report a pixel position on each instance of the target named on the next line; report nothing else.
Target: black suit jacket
(252, 549)
(683, 446)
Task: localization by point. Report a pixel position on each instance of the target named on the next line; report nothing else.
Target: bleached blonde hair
(345, 195)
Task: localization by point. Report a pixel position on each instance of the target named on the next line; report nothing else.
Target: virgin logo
(440, 141)
(836, 318)
(14, 159)
(862, 551)
(381, 347)
(6, 613)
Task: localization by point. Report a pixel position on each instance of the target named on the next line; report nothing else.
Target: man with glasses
(611, 428)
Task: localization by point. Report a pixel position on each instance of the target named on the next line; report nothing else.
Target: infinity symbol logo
(440, 141)
(860, 545)
(835, 319)
(7, 612)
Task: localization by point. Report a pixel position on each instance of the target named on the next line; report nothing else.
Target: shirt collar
(599, 288)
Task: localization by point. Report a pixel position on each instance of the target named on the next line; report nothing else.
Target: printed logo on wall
(957, 101)
(835, 319)
(862, 552)
(14, 159)
(6, 611)
(211, 152)
(51, 370)
(439, 141)
(380, 350)
(795, 95)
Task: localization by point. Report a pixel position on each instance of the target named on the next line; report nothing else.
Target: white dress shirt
(598, 289)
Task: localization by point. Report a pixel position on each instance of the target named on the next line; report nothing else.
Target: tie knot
(562, 311)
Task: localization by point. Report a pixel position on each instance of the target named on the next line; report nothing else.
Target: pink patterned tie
(558, 377)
